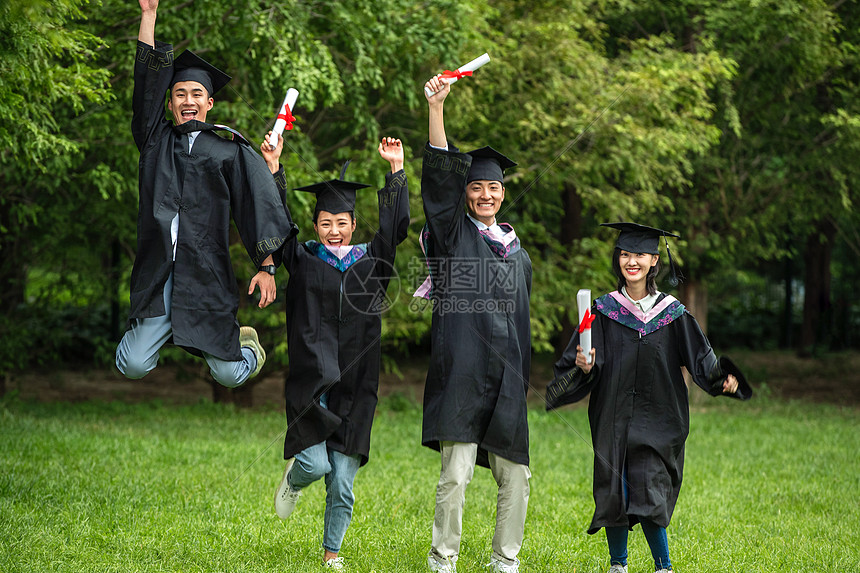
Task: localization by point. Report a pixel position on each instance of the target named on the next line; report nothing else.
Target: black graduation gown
(481, 335)
(334, 331)
(639, 408)
(218, 177)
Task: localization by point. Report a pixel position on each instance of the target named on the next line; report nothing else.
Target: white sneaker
(286, 497)
(499, 566)
(664, 571)
(335, 563)
(447, 566)
(619, 569)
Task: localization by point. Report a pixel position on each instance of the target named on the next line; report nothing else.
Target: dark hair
(317, 214)
(650, 279)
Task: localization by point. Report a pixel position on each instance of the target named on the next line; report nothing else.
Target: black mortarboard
(335, 195)
(635, 238)
(488, 165)
(189, 67)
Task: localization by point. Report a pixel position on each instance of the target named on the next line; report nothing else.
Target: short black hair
(650, 279)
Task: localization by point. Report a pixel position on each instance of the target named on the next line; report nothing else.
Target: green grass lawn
(86, 487)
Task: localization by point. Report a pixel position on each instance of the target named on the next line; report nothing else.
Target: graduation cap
(488, 165)
(335, 195)
(189, 67)
(635, 238)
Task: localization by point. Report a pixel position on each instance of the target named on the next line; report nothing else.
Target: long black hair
(650, 279)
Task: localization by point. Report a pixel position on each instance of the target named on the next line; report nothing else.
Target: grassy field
(103, 487)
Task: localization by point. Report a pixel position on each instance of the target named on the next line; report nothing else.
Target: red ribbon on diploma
(288, 117)
(586, 321)
(455, 74)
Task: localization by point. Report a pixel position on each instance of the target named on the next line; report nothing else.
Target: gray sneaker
(619, 569)
(248, 339)
(286, 497)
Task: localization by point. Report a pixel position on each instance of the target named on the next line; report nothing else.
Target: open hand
(268, 288)
(391, 150)
(147, 5)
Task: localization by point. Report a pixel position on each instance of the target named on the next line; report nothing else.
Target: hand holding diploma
(450, 77)
(585, 353)
(285, 117)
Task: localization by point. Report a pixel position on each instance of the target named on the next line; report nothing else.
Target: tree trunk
(694, 295)
(788, 312)
(816, 280)
(571, 231)
(12, 268)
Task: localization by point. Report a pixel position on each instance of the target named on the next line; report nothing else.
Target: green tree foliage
(47, 78)
(734, 123)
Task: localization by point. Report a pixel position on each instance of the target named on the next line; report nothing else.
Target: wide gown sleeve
(263, 222)
(443, 191)
(393, 220)
(707, 370)
(153, 71)
(570, 383)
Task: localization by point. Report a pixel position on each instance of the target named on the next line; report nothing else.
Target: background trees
(732, 123)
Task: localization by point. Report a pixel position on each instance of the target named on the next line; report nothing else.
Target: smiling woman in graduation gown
(334, 328)
(220, 176)
(639, 408)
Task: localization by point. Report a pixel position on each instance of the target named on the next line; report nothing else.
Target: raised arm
(436, 103)
(393, 204)
(148, 9)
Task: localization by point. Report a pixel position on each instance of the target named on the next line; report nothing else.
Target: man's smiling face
(189, 100)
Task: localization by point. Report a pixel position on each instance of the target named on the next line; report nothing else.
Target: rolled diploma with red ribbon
(583, 306)
(280, 123)
(466, 69)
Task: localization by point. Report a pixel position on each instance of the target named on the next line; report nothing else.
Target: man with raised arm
(475, 395)
(191, 181)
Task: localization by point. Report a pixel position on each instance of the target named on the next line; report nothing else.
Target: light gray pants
(458, 467)
(138, 351)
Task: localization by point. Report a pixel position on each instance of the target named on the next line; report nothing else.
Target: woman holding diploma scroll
(335, 296)
(639, 410)
(475, 394)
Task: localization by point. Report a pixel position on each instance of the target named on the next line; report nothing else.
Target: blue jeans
(616, 538)
(339, 471)
(138, 351)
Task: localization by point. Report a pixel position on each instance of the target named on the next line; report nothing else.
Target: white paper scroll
(470, 67)
(583, 306)
(286, 109)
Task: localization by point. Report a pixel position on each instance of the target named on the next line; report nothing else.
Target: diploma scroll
(285, 117)
(583, 306)
(464, 70)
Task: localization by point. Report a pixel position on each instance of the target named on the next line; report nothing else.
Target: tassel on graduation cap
(676, 277)
(343, 170)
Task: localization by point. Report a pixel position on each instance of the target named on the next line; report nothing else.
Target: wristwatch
(271, 269)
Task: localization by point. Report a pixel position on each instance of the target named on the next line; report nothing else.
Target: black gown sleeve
(443, 191)
(153, 71)
(258, 211)
(286, 255)
(707, 371)
(393, 221)
(570, 383)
